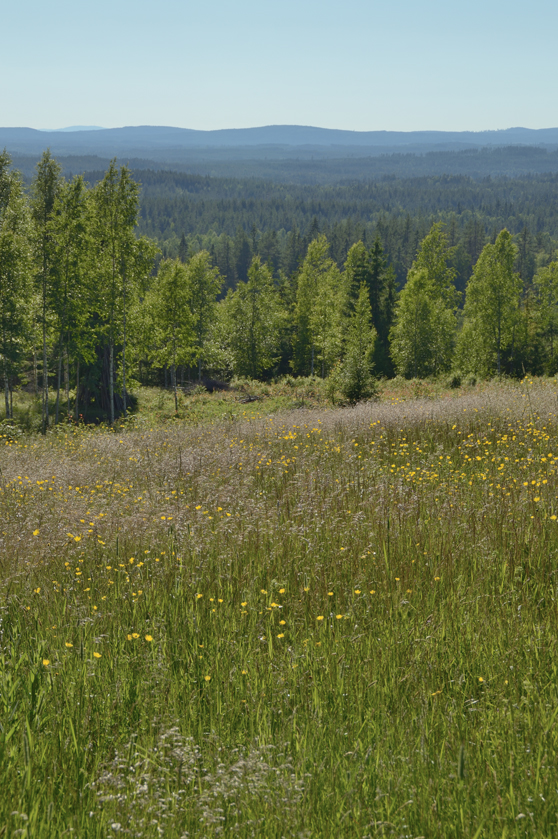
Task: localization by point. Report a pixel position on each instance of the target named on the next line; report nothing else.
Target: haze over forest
(293, 153)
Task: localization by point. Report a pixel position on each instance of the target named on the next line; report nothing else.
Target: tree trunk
(124, 347)
(76, 410)
(58, 383)
(35, 373)
(7, 392)
(111, 383)
(498, 350)
(173, 380)
(45, 374)
(67, 382)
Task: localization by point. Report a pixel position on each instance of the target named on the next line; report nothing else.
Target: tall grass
(335, 623)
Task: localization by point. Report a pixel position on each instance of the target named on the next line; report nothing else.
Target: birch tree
(491, 309)
(15, 270)
(45, 190)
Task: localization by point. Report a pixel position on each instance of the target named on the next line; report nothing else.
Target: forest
(106, 283)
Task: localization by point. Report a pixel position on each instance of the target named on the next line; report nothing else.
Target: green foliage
(15, 264)
(423, 334)
(320, 302)
(546, 290)
(204, 284)
(166, 319)
(252, 321)
(491, 308)
(355, 377)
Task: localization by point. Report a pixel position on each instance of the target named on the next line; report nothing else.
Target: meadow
(317, 622)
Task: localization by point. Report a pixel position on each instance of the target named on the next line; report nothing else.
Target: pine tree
(356, 372)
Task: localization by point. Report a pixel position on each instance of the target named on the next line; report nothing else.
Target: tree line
(88, 307)
(237, 219)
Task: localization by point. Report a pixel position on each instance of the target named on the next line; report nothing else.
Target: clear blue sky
(358, 64)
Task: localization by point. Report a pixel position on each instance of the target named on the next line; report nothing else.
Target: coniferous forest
(106, 282)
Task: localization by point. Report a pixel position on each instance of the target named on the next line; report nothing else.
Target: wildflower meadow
(333, 622)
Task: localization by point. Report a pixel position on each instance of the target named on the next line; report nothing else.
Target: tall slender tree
(356, 371)
(491, 309)
(15, 264)
(45, 189)
(253, 319)
(204, 285)
(72, 293)
(123, 262)
(546, 289)
(168, 319)
(423, 334)
(319, 308)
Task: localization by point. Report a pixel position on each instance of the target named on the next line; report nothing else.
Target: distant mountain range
(147, 139)
(288, 152)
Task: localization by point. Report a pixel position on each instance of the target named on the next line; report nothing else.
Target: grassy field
(321, 622)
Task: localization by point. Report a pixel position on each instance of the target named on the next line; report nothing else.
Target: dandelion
(46, 662)
(357, 590)
(207, 678)
(481, 679)
(338, 617)
(263, 591)
(245, 603)
(330, 594)
(372, 591)
(68, 644)
(149, 638)
(36, 532)
(281, 635)
(282, 623)
(37, 590)
(245, 672)
(198, 596)
(320, 618)
(281, 591)
(96, 655)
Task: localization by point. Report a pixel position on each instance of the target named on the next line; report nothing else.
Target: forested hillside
(237, 219)
(106, 284)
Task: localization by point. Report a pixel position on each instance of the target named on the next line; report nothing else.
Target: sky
(363, 65)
